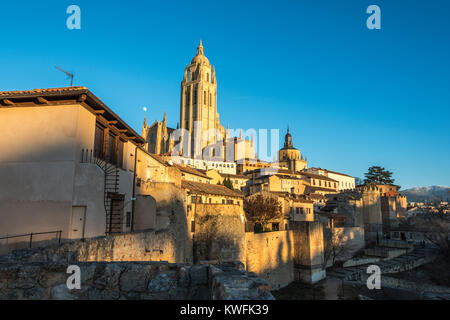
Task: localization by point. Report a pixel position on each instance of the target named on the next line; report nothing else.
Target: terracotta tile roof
(159, 159)
(311, 189)
(285, 194)
(317, 196)
(41, 91)
(229, 175)
(335, 172)
(317, 176)
(206, 188)
(190, 170)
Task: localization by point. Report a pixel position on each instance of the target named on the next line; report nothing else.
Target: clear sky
(352, 97)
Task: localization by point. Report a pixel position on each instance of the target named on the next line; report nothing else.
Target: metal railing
(58, 235)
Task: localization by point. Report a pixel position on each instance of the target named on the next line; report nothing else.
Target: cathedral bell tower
(198, 104)
(289, 157)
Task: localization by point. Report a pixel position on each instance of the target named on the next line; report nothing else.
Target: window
(196, 199)
(128, 220)
(275, 226)
(99, 140)
(120, 154)
(192, 226)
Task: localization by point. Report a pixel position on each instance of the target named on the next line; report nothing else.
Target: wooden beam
(41, 100)
(123, 130)
(112, 122)
(8, 102)
(99, 111)
(82, 97)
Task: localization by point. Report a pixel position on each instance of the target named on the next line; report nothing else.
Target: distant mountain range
(432, 193)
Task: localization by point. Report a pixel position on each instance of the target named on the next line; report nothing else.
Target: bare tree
(262, 210)
(334, 245)
(437, 231)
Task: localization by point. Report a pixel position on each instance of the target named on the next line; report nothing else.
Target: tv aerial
(69, 75)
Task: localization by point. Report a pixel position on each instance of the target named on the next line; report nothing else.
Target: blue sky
(352, 97)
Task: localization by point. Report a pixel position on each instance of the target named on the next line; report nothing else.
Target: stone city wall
(271, 256)
(150, 245)
(128, 281)
(219, 232)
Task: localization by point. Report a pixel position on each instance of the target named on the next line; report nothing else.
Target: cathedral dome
(200, 57)
(288, 144)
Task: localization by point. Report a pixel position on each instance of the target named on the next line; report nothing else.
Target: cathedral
(198, 104)
(199, 119)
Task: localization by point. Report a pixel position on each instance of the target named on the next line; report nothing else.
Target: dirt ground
(436, 273)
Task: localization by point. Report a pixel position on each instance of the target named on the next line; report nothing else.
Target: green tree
(379, 175)
(227, 183)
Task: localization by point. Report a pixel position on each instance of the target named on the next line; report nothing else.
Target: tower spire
(200, 48)
(185, 74)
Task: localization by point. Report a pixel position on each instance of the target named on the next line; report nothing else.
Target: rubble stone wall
(128, 281)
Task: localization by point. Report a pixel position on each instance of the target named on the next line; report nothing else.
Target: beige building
(251, 164)
(320, 184)
(191, 174)
(202, 164)
(278, 183)
(198, 193)
(345, 182)
(293, 207)
(67, 163)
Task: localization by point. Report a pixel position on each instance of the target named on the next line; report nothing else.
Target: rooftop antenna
(69, 75)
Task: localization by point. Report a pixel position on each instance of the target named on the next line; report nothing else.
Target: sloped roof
(317, 176)
(54, 96)
(335, 172)
(190, 170)
(206, 188)
(311, 189)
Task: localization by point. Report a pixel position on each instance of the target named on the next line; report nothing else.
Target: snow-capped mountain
(431, 193)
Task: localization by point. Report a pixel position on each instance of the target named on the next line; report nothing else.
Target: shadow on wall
(270, 255)
(164, 208)
(219, 233)
(40, 188)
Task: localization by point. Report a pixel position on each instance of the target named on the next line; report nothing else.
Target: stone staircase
(402, 263)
